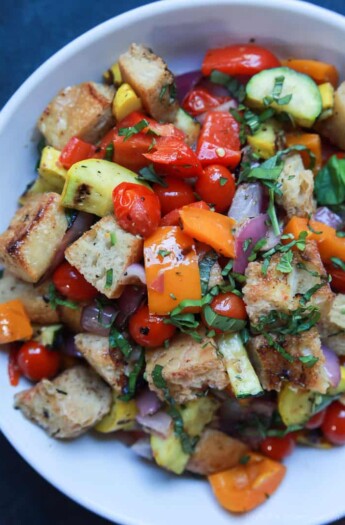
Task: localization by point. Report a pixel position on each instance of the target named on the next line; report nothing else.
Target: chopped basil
(223, 181)
(186, 323)
(296, 321)
(330, 182)
(55, 300)
(283, 432)
(205, 267)
(244, 460)
(109, 151)
(302, 266)
(272, 213)
(133, 378)
(308, 360)
(117, 340)
(220, 322)
(109, 278)
(71, 216)
(112, 238)
(277, 90)
(148, 173)
(234, 87)
(340, 234)
(284, 264)
(133, 130)
(164, 253)
(308, 295)
(338, 263)
(278, 347)
(171, 89)
(246, 244)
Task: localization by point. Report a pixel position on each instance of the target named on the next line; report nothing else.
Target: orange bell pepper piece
(172, 270)
(328, 243)
(173, 217)
(14, 322)
(311, 141)
(211, 228)
(244, 487)
(321, 72)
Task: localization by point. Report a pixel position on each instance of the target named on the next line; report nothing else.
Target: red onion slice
(326, 216)
(132, 297)
(148, 403)
(142, 447)
(69, 348)
(247, 202)
(332, 366)
(251, 231)
(98, 320)
(186, 82)
(135, 274)
(222, 107)
(160, 423)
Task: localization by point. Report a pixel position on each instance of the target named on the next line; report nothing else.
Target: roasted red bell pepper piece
(154, 127)
(171, 156)
(199, 100)
(219, 141)
(173, 217)
(75, 151)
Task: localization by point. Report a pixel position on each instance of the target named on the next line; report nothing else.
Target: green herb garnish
(149, 174)
(127, 133)
(117, 340)
(109, 278)
(55, 300)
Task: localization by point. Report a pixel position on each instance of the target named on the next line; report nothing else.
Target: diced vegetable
(75, 151)
(295, 406)
(172, 156)
(48, 335)
(125, 102)
(263, 141)
(287, 91)
(246, 486)
(113, 75)
(90, 183)
(212, 228)
(311, 141)
(51, 170)
(327, 96)
(168, 453)
(172, 270)
(189, 126)
(121, 417)
(243, 379)
(39, 186)
(198, 413)
(14, 322)
(321, 72)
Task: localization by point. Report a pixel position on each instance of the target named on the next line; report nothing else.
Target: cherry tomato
(338, 279)
(72, 284)
(136, 208)
(200, 100)
(333, 426)
(175, 195)
(240, 59)
(278, 448)
(316, 420)
(216, 185)
(36, 362)
(227, 305)
(149, 330)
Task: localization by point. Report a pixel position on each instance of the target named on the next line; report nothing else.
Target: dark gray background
(30, 32)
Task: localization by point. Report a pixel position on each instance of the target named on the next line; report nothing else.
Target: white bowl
(102, 474)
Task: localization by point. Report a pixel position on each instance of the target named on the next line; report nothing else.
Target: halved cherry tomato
(219, 141)
(75, 151)
(216, 185)
(200, 100)
(136, 208)
(72, 284)
(173, 217)
(333, 426)
(36, 362)
(149, 330)
(242, 59)
(316, 420)
(338, 278)
(278, 448)
(227, 305)
(174, 195)
(171, 156)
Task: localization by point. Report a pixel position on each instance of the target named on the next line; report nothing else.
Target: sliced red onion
(222, 107)
(69, 348)
(247, 202)
(142, 447)
(271, 239)
(217, 90)
(132, 297)
(326, 216)
(251, 232)
(135, 274)
(148, 403)
(98, 320)
(332, 366)
(186, 82)
(160, 423)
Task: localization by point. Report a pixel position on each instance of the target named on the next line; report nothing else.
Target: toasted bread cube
(282, 291)
(95, 349)
(215, 452)
(83, 111)
(28, 246)
(34, 299)
(332, 326)
(273, 368)
(152, 81)
(94, 254)
(69, 405)
(337, 311)
(297, 186)
(189, 368)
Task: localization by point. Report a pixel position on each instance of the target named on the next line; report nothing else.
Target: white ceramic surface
(100, 473)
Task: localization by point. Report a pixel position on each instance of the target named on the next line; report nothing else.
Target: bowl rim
(106, 27)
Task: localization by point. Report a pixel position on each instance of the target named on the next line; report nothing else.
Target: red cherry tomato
(136, 208)
(240, 59)
(72, 284)
(36, 362)
(200, 100)
(149, 330)
(227, 305)
(316, 420)
(338, 279)
(175, 195)
(333, 426)
(216, 185)
(278, 448)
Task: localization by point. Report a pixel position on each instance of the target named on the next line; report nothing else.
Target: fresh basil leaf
(330, 182)
(55, 300)
(235, 88)
(71, 216)
(109, 152)
(117, 340)
(133, 130)
(338, 263)
(149, 174)
(109, 278)
(284, 264)
(308, 360)
(130, 389)
(220, 322)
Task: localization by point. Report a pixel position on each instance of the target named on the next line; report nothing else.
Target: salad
(175, 274)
